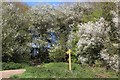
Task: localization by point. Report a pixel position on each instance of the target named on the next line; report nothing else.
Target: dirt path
(8, 73)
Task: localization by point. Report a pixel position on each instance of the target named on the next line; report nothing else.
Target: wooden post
(69, 61)
(69, 52)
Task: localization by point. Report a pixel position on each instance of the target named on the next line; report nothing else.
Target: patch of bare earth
(8, 73)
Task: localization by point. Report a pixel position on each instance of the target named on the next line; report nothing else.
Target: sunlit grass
(60, 70)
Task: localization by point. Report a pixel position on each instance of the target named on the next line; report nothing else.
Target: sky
(54, 0)
(35, 2)
(62, 0)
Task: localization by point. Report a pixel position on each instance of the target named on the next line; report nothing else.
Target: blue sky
(54, 0)
(34, 2)
(40, 0)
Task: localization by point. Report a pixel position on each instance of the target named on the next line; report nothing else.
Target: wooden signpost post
(69, 52)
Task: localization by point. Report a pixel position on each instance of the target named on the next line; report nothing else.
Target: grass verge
(60, 70)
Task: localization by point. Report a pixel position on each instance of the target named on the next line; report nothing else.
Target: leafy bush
(12, 65)
(57, 54)
(0, 66)
(94, 16)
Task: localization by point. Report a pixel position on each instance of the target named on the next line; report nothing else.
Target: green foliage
(12, 65)
(60, 70)
(43, 55)
(74, 58)
(106, 9)
(94, 16)
(15, 34)
(111, 49)
(92, 52)
(0, 65)
(57, 53)
(113, 33)
(99, 10)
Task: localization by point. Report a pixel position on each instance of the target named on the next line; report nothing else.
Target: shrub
(0, 66)
(12, 65)
(57, 54)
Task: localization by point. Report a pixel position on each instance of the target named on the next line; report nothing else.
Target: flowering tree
(14, 33)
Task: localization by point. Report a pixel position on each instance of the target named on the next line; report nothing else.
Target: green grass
(12, 65)
(60, 70)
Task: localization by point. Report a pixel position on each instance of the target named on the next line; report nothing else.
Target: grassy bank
(60, 70)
